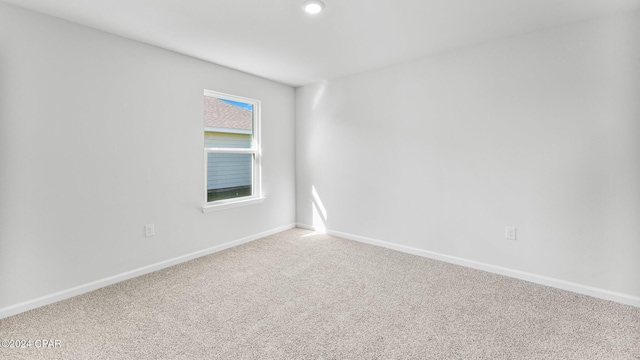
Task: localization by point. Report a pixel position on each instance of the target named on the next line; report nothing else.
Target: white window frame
(255, 150)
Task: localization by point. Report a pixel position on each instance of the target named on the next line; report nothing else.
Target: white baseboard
(94, 285)
(534, 278)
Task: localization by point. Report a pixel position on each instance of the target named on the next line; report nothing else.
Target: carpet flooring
(303, 295)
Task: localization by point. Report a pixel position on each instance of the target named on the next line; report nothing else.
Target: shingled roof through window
(221, 114)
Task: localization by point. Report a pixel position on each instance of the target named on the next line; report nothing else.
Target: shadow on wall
(4, 150)
(319, 212)
(4, 131)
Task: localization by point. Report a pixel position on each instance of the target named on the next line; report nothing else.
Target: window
(232, 151)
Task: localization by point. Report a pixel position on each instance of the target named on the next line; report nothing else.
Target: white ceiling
(276, 40)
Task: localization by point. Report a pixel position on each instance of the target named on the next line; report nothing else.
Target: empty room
(334, 179)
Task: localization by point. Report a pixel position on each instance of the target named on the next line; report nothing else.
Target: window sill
(211, 207)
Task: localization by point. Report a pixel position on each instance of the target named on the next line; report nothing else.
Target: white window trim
(255, 150)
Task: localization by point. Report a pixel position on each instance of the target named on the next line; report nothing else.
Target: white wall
(100, 135)
(541, 132)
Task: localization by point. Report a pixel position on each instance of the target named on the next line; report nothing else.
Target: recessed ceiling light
(313, 6)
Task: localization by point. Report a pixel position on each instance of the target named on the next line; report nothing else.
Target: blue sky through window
(239, 104)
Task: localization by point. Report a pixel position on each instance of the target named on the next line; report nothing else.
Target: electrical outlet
(510, 233)
(149, 230)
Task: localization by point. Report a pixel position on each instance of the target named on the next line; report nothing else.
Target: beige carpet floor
(300, 295)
